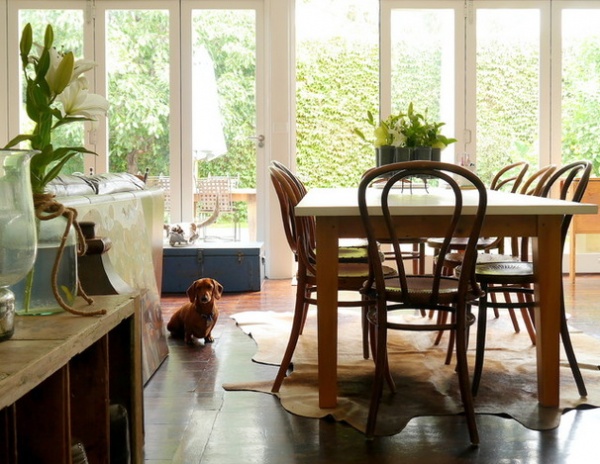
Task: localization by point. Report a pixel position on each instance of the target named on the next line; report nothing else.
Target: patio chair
(164, 182)
(213, 199)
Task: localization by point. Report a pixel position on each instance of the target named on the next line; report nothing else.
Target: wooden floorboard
(189, 418)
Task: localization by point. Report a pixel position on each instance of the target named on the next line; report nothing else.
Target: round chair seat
(511, 271)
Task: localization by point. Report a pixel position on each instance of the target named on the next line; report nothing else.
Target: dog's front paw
(208, 339)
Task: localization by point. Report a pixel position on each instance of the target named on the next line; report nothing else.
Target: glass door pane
(224, 124)
(337, 82)
(507, 88)
(580, 115)
(67, 25)
(138, 90)
(422, 66)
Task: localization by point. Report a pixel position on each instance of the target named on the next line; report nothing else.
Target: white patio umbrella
(208, 139)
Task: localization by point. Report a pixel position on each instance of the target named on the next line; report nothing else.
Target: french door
(222, 104)
(482, 67)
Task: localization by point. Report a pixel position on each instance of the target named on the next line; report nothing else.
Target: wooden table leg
(327, 316)
(547, 256)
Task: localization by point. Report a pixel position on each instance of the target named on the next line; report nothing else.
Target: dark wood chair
(517, 277)
(534, 185)
(509, 178)
(421, 292)
(300, 231)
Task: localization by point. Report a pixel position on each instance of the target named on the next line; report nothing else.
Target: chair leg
(307, 292)
(299, 317)
(480, 344)
(566, 339)
(422, 258)
(450, 348)
(380, 371)
(525, 312)
(493, 298)
(463, 379)
(442, 318)
(511, 313)
(364, 323)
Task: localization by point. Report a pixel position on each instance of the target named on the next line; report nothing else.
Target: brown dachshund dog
(198, 317)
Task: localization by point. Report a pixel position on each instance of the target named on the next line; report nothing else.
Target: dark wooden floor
(189, 418)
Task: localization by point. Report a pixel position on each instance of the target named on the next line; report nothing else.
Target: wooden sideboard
(59, 375)
(584, 223)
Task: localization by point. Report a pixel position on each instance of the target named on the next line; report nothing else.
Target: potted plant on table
(424, 136)
(57, 94)
(387, 137)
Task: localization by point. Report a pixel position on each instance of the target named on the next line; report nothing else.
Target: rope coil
(47, 208)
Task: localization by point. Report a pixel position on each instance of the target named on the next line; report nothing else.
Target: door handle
(260, 140)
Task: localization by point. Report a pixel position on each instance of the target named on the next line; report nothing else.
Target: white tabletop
(344, 202)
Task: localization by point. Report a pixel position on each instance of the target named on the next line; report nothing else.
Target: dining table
(418, 213)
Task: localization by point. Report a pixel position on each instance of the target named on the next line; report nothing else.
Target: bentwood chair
(420, 292)
(509, 178)
(350, 250)
(532, 186)
(301, 230)
(518, 276)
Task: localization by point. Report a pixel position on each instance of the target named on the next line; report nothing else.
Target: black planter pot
(422, 153)
(403, 154)
(436, 154)
(385, 155)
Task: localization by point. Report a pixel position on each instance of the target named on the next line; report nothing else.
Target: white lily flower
(52, 74)
(82, 66)
(79, 67)
(77, 101)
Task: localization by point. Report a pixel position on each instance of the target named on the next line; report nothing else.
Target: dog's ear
(191, 291)
(218, 291)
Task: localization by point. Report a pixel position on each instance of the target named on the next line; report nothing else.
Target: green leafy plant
(56, 94)
(387, 132)
(420, 132)
(406, 130)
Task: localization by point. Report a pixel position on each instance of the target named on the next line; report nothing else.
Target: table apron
(429, 226)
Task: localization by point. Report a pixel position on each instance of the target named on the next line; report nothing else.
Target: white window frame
(4, 134)
(385, 66)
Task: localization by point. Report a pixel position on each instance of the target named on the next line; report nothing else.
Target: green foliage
(138, 89)
(334, 85)
(67, 26)
(232, 48)
(336, 81)
(49, 78)
(581, 109)
(507, 107)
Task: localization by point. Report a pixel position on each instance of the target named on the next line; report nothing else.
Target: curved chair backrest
(578, 171)
(291, 176)
(300, 230)
(535, 183)
(511, 175)
(382, 216)
(288, 198)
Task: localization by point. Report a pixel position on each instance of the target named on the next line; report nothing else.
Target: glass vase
(17, 230)
(34, 293)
